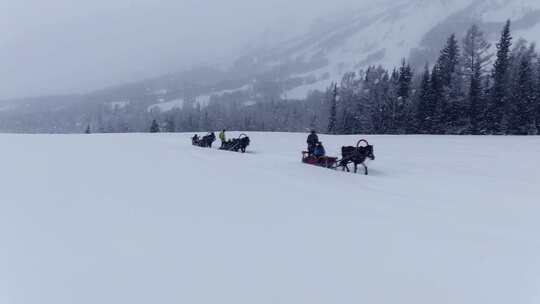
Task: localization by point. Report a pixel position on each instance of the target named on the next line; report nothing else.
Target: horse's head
(244, 140)
(369, 152)
(366, 149)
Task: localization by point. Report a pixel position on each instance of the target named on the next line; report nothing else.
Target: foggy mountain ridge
(379, 35)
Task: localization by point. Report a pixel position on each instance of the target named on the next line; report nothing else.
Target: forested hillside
(468, 90)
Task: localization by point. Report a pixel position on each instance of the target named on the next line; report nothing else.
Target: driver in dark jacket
(312, 141)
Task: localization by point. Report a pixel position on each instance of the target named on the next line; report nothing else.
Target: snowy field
(148, 218)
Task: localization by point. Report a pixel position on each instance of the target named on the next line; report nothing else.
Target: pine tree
(476, 57)
(497, 104)
(449, 97)
(402, 120)
(404, 80)
(377, 101)
(424, 106)
(88, 130)
(384, 92)
(437, 106)
(347, 98)
(476, 106)
(154, 128)
(522, 107)
(475, 51)
(332, 123)
(448, 61)
(537, 98)
(443, 81)
(457, 106)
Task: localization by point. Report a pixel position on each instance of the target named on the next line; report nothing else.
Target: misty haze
(262, 152)
(62, 47)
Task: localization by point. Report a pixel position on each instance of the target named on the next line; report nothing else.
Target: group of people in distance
(315, 147)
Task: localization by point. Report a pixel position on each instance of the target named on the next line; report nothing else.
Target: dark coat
(312, 139)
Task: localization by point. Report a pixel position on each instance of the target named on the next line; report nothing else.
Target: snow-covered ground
(148, 218)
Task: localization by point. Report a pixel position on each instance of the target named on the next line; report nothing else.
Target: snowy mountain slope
(387, 33)
(202, 100)
(150, 219)
(378, 34)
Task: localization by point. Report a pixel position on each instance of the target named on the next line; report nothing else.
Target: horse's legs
(365, 169)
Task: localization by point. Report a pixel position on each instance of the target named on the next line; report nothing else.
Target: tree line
(468, 90)
(461, 93)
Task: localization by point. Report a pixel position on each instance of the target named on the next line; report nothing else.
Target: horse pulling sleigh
(205, 141)
(349, 155)
(239, 144)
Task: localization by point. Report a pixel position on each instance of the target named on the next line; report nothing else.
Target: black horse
(205, 141)
(356, 155)
(237, 144)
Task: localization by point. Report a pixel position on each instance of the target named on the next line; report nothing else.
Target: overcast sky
(70, 46)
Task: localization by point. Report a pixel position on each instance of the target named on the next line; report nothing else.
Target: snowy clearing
(146, 218)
